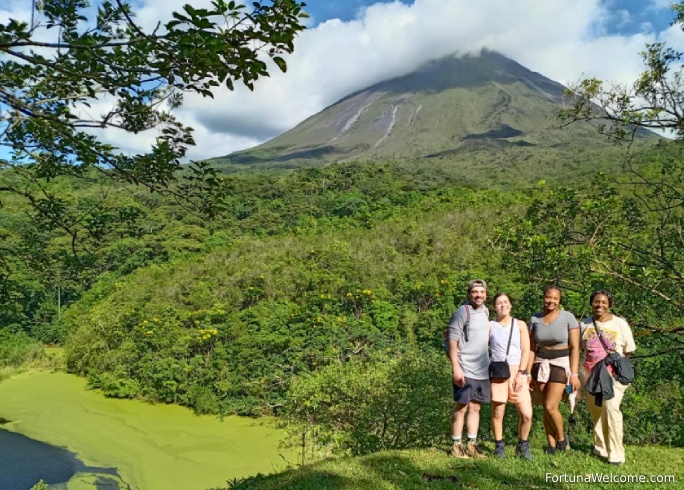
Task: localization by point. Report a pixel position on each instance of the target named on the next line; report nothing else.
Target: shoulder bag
(623, 370)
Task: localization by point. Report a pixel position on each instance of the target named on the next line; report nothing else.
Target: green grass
(435, 469)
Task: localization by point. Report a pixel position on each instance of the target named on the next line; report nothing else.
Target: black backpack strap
(467, 323)
(600, 336)
(510, 336)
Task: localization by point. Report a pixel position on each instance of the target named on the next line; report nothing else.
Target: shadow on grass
(442, 472)
(301, 479)
(402, 471)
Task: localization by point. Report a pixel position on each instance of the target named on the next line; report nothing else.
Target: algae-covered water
(130, 444)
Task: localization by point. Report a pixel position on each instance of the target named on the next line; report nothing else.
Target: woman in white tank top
(516, 388)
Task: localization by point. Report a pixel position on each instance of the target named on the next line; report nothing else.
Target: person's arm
(456, 324)
(521, 378)
(630, 345)
(457, 373)
(533, 348)
(574, 344)
(524, 346)
(532, 353)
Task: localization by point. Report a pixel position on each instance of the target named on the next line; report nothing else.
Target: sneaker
(596, 453)
(458, 451)
(563, 445)
(473, 451)
(522, 450)
(500, 451)
(550, 450)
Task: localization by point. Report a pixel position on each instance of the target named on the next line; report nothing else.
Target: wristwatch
(523, 371)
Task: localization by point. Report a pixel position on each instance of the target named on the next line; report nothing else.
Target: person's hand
(530, 384)
(459, 378)
(519, 382)
(575, 383)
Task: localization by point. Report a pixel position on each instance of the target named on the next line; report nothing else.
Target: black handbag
(501, 369)
(623, 369)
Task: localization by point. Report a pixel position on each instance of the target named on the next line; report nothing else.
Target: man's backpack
(465, 331)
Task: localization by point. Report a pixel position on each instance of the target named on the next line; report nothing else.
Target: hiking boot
(522, 450)
(550, 450)
(458, 451)
(473, 451)
(597, 454)
(563, 445)
(500, 451)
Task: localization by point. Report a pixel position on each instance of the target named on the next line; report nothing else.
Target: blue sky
(351, 44)
(641, 12)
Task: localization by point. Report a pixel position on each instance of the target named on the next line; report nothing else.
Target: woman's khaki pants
(607, 421)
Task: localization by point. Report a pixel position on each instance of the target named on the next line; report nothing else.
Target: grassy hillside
(434, 469)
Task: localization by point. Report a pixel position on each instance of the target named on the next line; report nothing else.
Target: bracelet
(529, 375)
(574, 375)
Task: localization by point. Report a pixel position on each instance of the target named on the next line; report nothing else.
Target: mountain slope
(459, 115)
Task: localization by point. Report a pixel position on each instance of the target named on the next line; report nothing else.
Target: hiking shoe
(458, 451)
(550, 450)
(596, 453)
(473, 451)
(500, 451)
(522, 450)
(563, 445)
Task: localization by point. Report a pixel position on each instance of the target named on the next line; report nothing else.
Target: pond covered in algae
(101, 442)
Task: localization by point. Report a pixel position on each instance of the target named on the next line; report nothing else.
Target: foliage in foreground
(73, 55)
(433, 468)
(394, 400)
(403, 400)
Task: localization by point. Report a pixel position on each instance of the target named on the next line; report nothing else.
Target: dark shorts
(556, 374)
(476, 390)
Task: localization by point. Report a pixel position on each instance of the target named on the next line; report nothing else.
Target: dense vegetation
(322, 294)
(370, 263)
(302, 293)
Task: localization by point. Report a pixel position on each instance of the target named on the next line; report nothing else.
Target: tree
(73, 55)
(604, 236)
(47, 87)
(625, 233)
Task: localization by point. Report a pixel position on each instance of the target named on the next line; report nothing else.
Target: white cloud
(390, 39)
(15, 9)
(559, 39)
